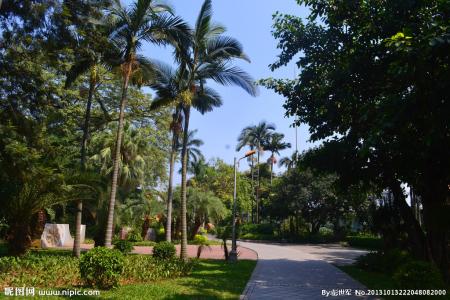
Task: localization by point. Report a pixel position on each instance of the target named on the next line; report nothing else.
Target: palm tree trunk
(253, 189)
(271, 168)
(112, 201)
(170, 190)
(184, 158)
(259, 186)
(87, 118)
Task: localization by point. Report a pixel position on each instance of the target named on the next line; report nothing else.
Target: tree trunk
(416, 236)
(19, 237)
(112, 201)
(437, 224)
(271, 168)
(183, 251)
(259, 186)
(170, 190)
(84, 141)
(253, 188)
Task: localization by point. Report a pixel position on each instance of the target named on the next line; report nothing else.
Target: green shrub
(145, 268)
(160, 234)
(200, 240)
(366, 242)
(101, 267)
(89, 241)
(40, 269)
(371, 262)
(123, 246)
(325, 231)
(257, 229)
(164, 250)
(134, 235)
(419, 275)
(384, 262)
(257, 236)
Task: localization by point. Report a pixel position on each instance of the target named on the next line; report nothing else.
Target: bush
(326, 232)
(164, 250)
(385, 262)
(101, 267)
(89, 241)
(160, 234)
(134, 236)
(200, 240)
(419, 275)
(40, 269)
(257, 229)
(144, 268)
(365, 241)
(123, 246)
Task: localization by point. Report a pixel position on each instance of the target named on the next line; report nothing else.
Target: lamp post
(232, 257)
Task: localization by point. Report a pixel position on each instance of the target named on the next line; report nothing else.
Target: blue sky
(250, 22)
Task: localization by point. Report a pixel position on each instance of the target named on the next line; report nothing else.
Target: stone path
(300, 272)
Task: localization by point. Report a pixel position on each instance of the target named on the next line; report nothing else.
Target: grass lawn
(211, 279)
(378, 281)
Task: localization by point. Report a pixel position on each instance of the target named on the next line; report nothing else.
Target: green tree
(145, 21)
(373, 76)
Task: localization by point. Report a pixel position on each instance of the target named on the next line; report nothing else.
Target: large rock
(58, 235)
(151, 235)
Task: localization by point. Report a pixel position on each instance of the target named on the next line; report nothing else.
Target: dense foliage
(101, 267)
(373, 88)
(164, 250)
(58, 270)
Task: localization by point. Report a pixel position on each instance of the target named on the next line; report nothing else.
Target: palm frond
(207, 100)
(202, 25)
(225, 47)
(223, 74)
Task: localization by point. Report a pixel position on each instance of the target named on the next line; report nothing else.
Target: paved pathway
(300, 272)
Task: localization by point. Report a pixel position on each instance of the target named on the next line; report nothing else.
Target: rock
(58, 235)
(151, 235)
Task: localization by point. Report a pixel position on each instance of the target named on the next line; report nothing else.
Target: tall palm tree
(255, 136)
(168, 85)
(208, 57)
(275, 144)
(92, 53)
(145, 21)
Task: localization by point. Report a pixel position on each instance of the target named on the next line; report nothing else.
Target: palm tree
(289, 162)
(275, 144)
(92, 52)
(208, 56)
(168, 86)
(255, 136)
(146, 21)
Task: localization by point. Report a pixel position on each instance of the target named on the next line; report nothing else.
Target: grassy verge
(211, 279)
(379, 281)
(142, 279)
